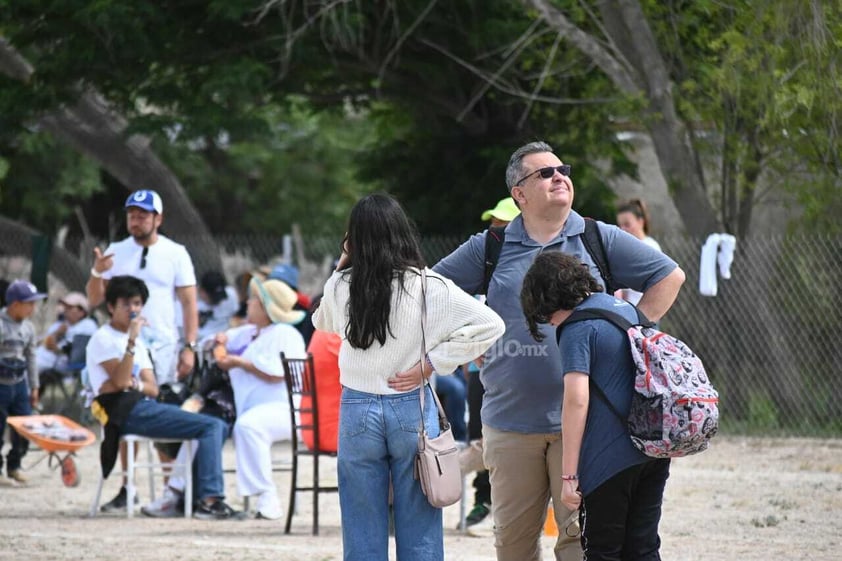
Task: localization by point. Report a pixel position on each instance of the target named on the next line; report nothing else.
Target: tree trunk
(92, 128)
(635, 66)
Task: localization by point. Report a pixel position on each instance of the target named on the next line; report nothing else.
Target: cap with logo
(23, 291)
(148, 200)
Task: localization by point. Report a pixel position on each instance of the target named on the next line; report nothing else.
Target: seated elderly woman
(251, 355)
(253, 362)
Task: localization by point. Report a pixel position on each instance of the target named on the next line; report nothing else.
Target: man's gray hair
(514, 170)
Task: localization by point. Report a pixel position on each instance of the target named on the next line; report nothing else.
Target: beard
(142, 235)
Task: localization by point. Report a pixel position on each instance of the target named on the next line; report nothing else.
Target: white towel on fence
(718, 248)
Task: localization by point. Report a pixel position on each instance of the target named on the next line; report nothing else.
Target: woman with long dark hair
(373, 301)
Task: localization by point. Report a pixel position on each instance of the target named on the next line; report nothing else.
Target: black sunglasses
(143, 255)
(548, 172)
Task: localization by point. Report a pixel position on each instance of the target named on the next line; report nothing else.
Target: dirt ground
(746, 499)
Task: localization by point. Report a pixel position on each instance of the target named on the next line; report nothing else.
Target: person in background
(74, 320)
(167, 270)
(373, 302)
(253, 362)
(324, 347)
(521, 410)
(633, 217)
(617, 489)
(453, 393)
(250, 353)
(120, 371)
(217, 304)
(289, 274)
(503, 212)
(19, 382)
(478, 522)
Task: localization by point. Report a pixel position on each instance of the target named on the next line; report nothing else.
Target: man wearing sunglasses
(521, 411)
(167, 270)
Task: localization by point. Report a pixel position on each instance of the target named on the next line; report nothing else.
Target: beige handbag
(437, 461)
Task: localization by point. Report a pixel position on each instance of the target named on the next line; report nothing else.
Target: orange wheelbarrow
(55, 435)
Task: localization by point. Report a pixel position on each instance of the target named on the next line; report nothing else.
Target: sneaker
(169, 505)
(482, 529)
(18, 476)
(216, 511)
(6, 482)
(118, 503)
(479, 513)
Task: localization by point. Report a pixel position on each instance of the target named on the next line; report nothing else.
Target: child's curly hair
(555, 281)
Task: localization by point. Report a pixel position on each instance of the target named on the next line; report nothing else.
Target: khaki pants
(525, 471)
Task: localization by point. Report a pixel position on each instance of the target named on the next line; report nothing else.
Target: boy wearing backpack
(617, 489)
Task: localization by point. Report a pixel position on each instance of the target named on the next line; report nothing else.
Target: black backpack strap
(596, 249)
(597, 313)
(620, 322)
(494, 238)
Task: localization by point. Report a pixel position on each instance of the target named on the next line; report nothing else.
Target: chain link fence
(769, 339)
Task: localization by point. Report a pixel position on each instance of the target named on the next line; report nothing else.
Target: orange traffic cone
(550, 527)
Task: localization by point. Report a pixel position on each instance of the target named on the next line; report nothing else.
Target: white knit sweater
(459, 329)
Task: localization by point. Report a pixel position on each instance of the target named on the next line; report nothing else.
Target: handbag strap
(442, 416)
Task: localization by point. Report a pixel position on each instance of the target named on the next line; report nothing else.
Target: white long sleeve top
(459, 329)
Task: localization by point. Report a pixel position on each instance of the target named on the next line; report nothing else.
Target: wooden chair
(300, 375)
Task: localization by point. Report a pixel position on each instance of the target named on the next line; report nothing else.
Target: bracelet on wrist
(95, 274)
(569, 477)
(130, 351)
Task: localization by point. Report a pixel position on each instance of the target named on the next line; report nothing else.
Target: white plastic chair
(154, 467)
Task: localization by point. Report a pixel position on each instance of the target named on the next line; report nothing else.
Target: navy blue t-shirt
(597, 348)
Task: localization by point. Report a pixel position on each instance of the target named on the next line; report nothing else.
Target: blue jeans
(378, 439)
(14, 400)
(454, 393)
(150, 418)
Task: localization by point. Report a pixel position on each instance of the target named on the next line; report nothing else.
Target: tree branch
(394, 50)
(613, 66)
(12, 64)
(540, 84)
(495, 81)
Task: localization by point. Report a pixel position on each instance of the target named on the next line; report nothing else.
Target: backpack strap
(620, 322)
(592, 240)
(597, 313)
(494, 238)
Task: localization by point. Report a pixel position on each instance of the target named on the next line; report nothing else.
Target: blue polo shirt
(522, 378)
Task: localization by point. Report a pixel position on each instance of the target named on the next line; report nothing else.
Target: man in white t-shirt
(167, 270)
(120, 374)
